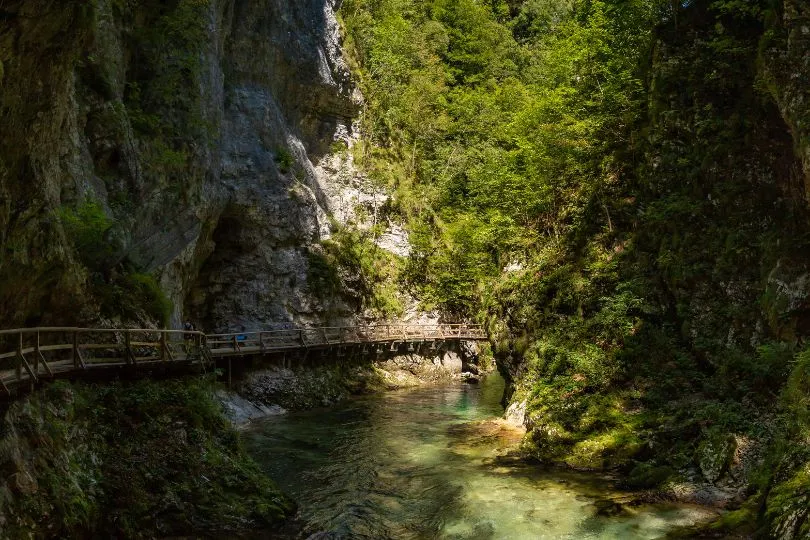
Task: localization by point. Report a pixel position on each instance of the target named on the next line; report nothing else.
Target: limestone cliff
(172, 146)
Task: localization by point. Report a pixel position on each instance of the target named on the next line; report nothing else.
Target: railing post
(203, 352)
(235, 347)
(37, 353)
(301, 337)
(75, 350)
(19, 356)
(163, 346)
(132, 358)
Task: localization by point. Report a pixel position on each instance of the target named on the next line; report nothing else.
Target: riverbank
(129, 459)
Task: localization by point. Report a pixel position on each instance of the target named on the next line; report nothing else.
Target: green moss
(647, 476)
(784, 478)
(137, 460)
(147, 292)
(742, 518)
(605, 450)
(86, 227)
(581, 429)
(788, 505)
(351, 264)
(740, 523)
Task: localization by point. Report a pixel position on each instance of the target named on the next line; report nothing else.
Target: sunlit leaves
(502, 121)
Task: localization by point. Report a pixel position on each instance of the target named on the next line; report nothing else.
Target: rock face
(195, 130)
(296, 383)
(786, 67)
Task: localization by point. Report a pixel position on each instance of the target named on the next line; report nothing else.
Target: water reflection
(421, 464)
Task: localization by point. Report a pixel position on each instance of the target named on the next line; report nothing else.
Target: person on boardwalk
(188, 335)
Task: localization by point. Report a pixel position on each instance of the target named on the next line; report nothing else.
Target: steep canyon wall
(167, 146)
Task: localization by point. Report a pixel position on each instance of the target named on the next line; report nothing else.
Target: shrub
(285, 160)
(86, 227)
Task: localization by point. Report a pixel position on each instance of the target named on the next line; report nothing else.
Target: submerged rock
(469, 378)
(489, 439)
(608, 508)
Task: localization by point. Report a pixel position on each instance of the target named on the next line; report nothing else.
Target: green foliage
(285, 160)
(132, 296)
(514, 147)
(146, 287)
(86, 227)
(351, 263)
(580, 174)
(136, 460)
(120, 290)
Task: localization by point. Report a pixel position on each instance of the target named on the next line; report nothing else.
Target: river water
(423, 464)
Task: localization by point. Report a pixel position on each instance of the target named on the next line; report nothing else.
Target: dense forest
(617, 189)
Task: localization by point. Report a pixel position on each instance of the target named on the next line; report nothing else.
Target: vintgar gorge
(393, 269)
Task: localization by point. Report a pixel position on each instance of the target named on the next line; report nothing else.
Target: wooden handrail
(28, 354)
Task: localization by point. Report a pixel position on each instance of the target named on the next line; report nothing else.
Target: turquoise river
(428, 463)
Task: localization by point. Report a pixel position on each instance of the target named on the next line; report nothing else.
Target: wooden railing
(242, 343)
(28, 355)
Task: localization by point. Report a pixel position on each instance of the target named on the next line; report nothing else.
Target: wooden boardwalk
(33, 354)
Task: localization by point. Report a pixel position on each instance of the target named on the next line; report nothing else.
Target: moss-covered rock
(788, 506)
(714, 456)
(647, 476)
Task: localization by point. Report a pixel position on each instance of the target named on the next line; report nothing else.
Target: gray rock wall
(197, 126)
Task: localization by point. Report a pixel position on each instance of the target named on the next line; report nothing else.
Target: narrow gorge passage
(616, 193)
(423, 464)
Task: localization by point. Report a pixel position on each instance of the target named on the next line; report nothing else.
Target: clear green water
(421, 464)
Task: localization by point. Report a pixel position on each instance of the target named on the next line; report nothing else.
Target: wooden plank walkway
(29, 355)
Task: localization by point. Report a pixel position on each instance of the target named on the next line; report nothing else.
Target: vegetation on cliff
(137, 460)
(617, 189)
